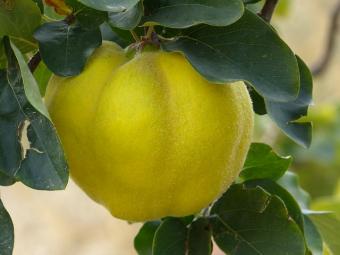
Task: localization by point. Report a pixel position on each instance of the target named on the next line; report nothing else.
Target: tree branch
(324, 61)
(268, 10)
(34, 61)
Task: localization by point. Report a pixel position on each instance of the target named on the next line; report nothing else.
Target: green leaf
(42, 75)
(313, 237)
(290, 182)
(183, 14)
(248, 50)
(30, 149)
(18, 20)
(199, 237)
(65, 48)
(329, 228)
(110, 5)
(40, 4)
(87, 17)
(6, 232)
(285, 114)
(170, 238)
(250, 1)
(30, 85)
(273, 188)
(119, 36)
(251, 221)
(127, 20)
(6, 180)
(144, 239)
(262, 162)
(259, 105)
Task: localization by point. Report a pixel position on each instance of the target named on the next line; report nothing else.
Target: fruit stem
(149, 32)
(135, 36)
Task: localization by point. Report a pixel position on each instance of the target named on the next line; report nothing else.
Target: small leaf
(30, 85)
(259, 105)
(170, 238)
(329, 228)
(284, 114)
(18, 20)
(199, 237)
(65, 48)
(313, 237)
(127, 20)
(248, 50)
(251, 221)
(144, 239)
(110, 5)
(32, 151)
(290, 182)
(183, 14)
(42, 75)
(262, 162)
(273, 188)
(6, 232)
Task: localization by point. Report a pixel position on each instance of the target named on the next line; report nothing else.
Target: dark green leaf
(119, 36)
(127, 20)
(199, 237)
(290, 182)
(182, 14)
(65, 48)
(250, 1)
(259, 106)
(262, 162)
(40, 4)
(284, 114)
(87, 17)
(3, 60)
(187, 219)
(170, 238)
(247, 50)
(251, 221)
(6, 180)
(110, 5)
(329, 227)
(144, 239)
(18, 20)
(30, 150)
(273, 188)
(313, 237)
(6, 232)
(42, 75)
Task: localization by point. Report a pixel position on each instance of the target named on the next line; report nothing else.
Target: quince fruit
(147, 136)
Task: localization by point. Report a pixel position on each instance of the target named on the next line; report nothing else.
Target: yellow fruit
(149, 137)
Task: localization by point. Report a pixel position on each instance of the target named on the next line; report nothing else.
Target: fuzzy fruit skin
(148, 137)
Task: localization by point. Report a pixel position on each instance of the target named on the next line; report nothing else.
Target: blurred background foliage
(318, 167)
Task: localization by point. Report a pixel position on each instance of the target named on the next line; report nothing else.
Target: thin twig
(268, 10)
(34, 61)
(324, 61)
